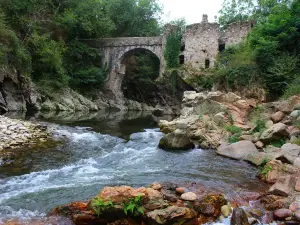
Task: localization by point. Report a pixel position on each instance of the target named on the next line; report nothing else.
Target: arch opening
(141, 68)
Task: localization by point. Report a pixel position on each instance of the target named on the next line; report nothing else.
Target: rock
(238, 150)
(257, 158)
(294, 132)
(176, 140)
(276, 132)
(297, 186)
(256, 213)
(156, 186)
(269, 124)
(297, 162)
(189, 196)
(290, 152)
(246, 138)
(181, 190)
(273, 175)
(297, 215)
(171, 215)
(239, 217)
(293, 207)
(295, 113)
(277, 117)
(282, 214)
(205, 209)
(225, 211)
(283, 186)
(259, 144)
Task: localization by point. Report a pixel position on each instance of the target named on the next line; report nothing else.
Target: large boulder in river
(176, 140)
(276, 132)
(238, 150)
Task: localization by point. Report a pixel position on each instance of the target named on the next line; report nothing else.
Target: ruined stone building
(203, 41)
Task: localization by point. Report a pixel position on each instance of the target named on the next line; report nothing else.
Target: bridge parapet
(126, 41)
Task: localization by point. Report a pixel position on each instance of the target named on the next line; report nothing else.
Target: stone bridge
(114, 51)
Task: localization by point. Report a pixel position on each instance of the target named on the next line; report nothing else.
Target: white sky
(191, 10)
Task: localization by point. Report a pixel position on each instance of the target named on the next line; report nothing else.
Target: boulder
(276, 132)
(239, 150)
(259, 144)
(171, 215)
(239, 217)
(277, 117)
(189, 196)
(176, 140)
(297, 186)
(282, 214)
(295, 113)
(283, 186)
(290, 152)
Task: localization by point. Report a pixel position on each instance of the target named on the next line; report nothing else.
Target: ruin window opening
(181, 59)
(221, 47)
(182, 47)
(207, 63)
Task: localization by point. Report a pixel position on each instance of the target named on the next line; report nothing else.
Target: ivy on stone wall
(172, 49)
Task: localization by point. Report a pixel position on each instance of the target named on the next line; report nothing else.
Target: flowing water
(107, 149)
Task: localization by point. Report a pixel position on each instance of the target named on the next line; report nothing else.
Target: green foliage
(265, 169)
(269, 57)
(134, 206)
(278, 143)
(233, 139)
(204, 82)
(293, 88)
(172, 49)
(99, 205)
(233, 129)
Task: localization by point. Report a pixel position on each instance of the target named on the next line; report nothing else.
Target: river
(107, 149)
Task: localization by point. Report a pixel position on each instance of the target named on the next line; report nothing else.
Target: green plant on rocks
(99, 205)
(264, 170)
(278, 143)
(134, 206)
(233, 129)
(233, 139)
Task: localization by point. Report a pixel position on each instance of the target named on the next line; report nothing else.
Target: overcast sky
(191, 10)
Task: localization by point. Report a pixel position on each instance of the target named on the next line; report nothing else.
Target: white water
(101, 160)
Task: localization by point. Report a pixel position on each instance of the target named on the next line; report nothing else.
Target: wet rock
(276, 132)
(283, 186)
(156, 186)
(189, 196)
(293, 207)
(176, 140)
(206, 209)
(256, 213)
(290, 152)
(277, 117)
(171, 215)
(239, 217)
(282, 214)
(297, 215)
(238, 150)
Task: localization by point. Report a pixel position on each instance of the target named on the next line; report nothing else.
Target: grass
(278, 143)
(233, 139)
(233, 129)
(296, 141)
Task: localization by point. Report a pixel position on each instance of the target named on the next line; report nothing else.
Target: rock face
(204, 114)
(239, 150)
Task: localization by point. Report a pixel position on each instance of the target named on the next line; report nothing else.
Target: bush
(99, 205)
(172, 49)
(292, 89)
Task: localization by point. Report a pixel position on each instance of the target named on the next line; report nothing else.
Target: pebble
(181, 190)
(282, 214)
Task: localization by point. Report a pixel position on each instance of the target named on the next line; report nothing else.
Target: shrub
(233, 139)
(134, 207)
(172, 49)
(99, 205)
(233, 129)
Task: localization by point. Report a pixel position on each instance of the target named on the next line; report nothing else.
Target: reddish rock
(277, 117)
(181, 190)
(293, 207)
(283, 186)
(205, 209)
(282, 214)
(156, 186)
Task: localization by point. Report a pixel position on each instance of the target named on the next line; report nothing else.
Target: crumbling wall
(201, 41)
(236, 32)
